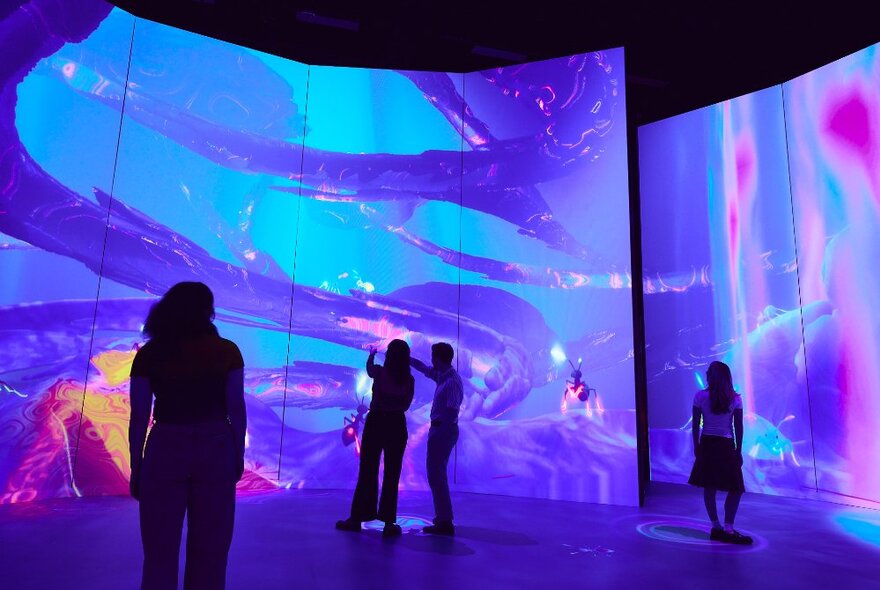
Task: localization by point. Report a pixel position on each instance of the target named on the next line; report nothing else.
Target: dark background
(680, 55)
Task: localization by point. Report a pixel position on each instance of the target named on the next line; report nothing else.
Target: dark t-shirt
(388, 395)
(188, 379)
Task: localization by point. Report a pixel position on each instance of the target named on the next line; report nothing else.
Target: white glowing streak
(362, 384)
(67, 453)
(558, 354)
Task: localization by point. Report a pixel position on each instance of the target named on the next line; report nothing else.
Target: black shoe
(348, 525)
(391, 530)
(440, 528)
(737, 538)
(717, 534)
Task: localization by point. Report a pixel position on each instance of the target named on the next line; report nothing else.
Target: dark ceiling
(679, 55)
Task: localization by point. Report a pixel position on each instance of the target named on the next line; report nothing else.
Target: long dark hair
(397, 361)
(186, 310)
(721, 392)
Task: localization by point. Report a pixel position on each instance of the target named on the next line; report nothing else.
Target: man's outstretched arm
(420, 366)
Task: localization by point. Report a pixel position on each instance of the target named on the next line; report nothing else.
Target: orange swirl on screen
(105, 418)
(46, 461)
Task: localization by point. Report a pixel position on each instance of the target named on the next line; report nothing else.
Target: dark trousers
(187, 470)
(441, 440)
(383, 432)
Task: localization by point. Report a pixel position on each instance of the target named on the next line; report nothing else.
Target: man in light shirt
(444, 431)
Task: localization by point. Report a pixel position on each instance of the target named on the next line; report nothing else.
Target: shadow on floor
(682, 531)
(494, 536)
(416, 541)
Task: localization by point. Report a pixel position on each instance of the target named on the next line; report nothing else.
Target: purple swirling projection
(788, 297)
(715, 196)
(46, 347)
(576, 287)
(833, 116)
(241, 170)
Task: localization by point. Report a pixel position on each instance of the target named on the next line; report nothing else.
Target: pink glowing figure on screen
(352, 429)
(577, 389)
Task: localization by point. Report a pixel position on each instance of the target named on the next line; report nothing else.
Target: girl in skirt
(717, 459)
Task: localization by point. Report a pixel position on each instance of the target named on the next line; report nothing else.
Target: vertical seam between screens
(637, 312)
(293, 273)
(460, 217)
(800, 296)
(103, 253)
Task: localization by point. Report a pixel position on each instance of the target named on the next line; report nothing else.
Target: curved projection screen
(759, 227)
(329, 209)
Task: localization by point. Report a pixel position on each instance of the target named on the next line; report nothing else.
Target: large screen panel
(833, 122)
(323, 206)
(721, 283)
(379, 194)
(210, 132)
(57, 152)
(546, 310)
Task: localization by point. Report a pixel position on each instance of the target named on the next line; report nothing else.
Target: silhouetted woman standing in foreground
(384, 431)
(718, 460)
(195, 452)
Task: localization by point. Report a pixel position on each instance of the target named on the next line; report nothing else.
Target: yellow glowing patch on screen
(114, 365)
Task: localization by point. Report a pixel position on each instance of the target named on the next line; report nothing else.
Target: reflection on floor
(286, 539)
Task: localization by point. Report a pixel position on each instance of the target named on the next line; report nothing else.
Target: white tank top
(716, 424)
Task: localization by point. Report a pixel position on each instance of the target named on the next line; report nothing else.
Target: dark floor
(286, 540)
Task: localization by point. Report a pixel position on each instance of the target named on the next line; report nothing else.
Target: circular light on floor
(694, 533)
